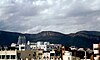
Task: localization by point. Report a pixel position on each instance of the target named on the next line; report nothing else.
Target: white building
(96, 50)
(42, 45)
(23, 47)
(46, 46)
(73, 48)
(68, 56)
(52, 55)
(46, 55)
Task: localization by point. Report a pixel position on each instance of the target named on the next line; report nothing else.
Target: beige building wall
(8, 55)
(26, 54)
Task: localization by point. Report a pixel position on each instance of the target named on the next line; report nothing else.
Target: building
(46, 46)
(21, 44)
(14, 54)
(46, 55)
(96, 50)
(68, 56)
(8, 55)
(52, 55)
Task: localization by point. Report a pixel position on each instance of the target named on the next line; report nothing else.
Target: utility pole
(5, 52)
(36, 52)
(85, 55)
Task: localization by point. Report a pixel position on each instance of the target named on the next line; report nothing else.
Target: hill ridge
(79, 39)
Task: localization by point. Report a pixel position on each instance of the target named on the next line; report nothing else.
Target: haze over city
(33, 16)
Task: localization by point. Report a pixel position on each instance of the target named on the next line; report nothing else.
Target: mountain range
(80, 39)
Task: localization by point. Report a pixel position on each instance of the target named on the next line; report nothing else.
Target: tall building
(21, 44)
(21, 40)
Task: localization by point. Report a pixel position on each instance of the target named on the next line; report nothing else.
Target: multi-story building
(46, 46)
(46, 55)
(14, 54)
(21, 44)
(8, 55)
(96, 50)
(68, 56)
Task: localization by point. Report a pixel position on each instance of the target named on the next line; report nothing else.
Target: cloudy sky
(33, 16)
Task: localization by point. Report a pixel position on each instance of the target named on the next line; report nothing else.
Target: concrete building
(46, 55)
(96, 50)
(8, 55)
(39, 54)
(16, 55)
(46, 46)
(23, 47)
(39, 45)
(68, 56)
(23, 55)
(73, 48)
(21, 44)
(52, 55)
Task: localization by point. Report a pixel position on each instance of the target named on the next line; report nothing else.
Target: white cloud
(33, 16)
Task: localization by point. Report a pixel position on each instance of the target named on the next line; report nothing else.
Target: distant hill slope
(79, 39)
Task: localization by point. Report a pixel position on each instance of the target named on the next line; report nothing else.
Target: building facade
(8, 55)
(96, 50)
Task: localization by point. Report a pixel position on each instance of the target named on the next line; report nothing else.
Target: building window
(47, 57)
(47, 47)
(74, 58)
(96, 48)
(0, 56)
(22, 47)
(51, 57)
(44, 57)
(39, 57)
(29, 54)
(34, 54)
(18, 55)
(12, 56)
(55, 58)
(52, 54)
(68, 58)
(3, 56)
(40, 53)
(7, 56)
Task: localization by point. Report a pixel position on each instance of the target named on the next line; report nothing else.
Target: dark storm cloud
(32, 16)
